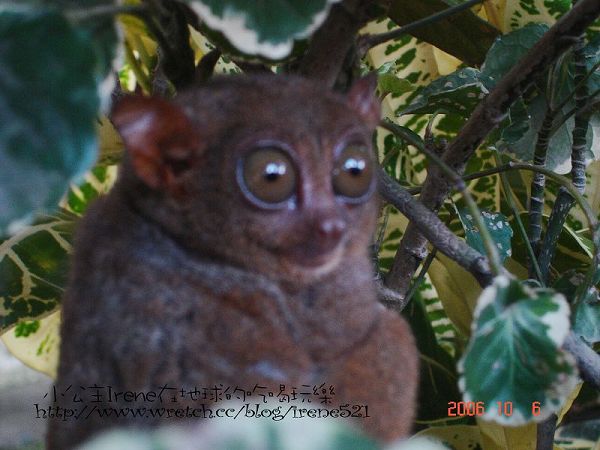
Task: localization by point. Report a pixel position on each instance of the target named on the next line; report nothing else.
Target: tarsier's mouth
(315, 254)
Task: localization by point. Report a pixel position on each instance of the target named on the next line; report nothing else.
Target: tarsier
(233, 250)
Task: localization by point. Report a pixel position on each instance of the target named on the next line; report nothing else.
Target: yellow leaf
(458, 290)
(494, 13)
(110, 143)
(445, 63)
(39, 350)
(497, 437)
(569, 402)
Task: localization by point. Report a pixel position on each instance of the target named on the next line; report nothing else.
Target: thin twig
(469, 177)
(592, 102)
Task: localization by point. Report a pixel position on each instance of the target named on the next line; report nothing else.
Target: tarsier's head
(274, 174)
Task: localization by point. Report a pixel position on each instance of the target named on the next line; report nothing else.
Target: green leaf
(572, 252)
(389, 83)
(498, 227)
(586, 322)
(48, 103)
(568, 283)
(508, 49)
(463, 35)
(515, 352)
(33, 263)
(33, 269)
(485, 190)
(457, 93)
(100, 28)
(516, 125)
(267, 28)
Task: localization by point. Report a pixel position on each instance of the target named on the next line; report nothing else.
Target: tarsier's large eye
(268, 175)
(352, 174)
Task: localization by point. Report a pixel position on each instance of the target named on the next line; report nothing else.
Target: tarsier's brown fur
(178, 280)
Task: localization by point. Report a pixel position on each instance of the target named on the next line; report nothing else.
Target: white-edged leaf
(515, 352)
(266, 28)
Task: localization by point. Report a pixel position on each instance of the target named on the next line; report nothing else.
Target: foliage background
(58, 152)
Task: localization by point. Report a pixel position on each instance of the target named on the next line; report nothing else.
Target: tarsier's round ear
(161, 140)
(363, 100)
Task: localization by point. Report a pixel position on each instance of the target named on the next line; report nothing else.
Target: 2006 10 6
(459, 409)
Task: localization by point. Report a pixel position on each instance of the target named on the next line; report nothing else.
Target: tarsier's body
(234, 250)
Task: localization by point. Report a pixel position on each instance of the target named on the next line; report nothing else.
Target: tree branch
(545, 433)
(390, 298)
(435, 230)
(488, 114)
(538, 184)
(564, 202)
(331, 43)
(587, 359)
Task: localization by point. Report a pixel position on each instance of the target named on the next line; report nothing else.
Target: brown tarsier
(233, 250)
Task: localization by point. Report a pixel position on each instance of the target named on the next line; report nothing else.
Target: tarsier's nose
(331, 228)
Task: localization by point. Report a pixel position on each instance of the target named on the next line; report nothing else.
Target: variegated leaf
(33, 269)
(457, 93)
(36, 343)
(33, 263)
(515, 353)
(267, 28)
(498, 227)
(518, 13)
